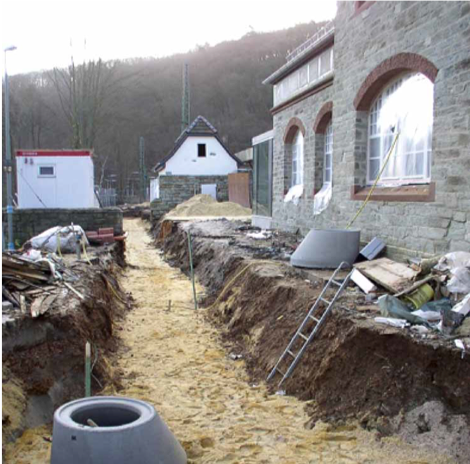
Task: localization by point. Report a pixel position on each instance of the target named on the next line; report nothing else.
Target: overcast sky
(47, 31)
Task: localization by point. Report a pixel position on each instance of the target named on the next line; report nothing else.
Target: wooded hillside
(108, 106)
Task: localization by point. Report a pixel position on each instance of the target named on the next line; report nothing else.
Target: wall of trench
(355, 369)
(43, 358)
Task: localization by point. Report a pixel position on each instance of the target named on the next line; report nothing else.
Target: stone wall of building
(30, 222)
(364, 40)
(177, 189)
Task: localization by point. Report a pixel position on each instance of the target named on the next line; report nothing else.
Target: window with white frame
(404, 107)
(298, 159)
(328, 155)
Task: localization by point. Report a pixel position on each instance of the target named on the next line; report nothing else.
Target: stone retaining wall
(30, 222)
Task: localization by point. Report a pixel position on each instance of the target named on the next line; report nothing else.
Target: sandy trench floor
(174, 360)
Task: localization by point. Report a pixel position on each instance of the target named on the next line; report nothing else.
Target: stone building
(380, 69)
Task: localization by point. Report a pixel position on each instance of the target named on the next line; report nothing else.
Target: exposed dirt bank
(174, 358)
(43, 358)
(355, 369)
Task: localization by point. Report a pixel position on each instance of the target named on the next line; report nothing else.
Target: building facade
(198, 163)
(384, 89)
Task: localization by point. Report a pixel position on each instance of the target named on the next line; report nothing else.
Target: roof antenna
(186, 102)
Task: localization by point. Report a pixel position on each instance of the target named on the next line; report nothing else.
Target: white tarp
(65, 237)
(322, 199)
(458, 263)
(294, 194)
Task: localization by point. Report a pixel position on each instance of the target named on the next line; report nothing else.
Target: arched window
(405, 107)
(328, 154)
(298, 159)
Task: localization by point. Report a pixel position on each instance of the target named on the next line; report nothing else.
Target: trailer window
(46, 171)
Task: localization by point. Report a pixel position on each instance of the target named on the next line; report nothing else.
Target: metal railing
(312, 41)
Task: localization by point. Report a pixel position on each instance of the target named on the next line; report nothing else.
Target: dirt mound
(430, 423)
(354, 369)
(206, 206)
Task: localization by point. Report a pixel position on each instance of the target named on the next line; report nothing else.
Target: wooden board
(391, 275)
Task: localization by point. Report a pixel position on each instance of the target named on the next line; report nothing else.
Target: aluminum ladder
(317, 324)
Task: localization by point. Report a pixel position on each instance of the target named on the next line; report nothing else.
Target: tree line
(109, 105)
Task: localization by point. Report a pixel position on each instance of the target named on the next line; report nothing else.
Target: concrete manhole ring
(110, 429)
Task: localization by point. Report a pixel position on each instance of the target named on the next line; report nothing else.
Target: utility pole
(185, 110)
(8, 160)
(143, 170)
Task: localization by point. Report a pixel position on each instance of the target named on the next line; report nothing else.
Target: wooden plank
(416, 285)
(42, 304)
(362, 282)
(391, 275)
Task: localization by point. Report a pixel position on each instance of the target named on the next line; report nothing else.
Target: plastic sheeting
(294, 194)
(458, 263)
(65, 237)
(322, 199)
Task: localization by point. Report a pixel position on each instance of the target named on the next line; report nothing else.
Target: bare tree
(84, 91)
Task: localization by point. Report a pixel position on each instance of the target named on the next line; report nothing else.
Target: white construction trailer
(55, 179)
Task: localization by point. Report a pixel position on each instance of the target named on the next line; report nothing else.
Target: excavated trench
(204, 371)
(355, 369)
(43, 358)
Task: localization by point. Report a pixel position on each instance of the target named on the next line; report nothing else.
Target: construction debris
(59, 239)
(391, 275)
(362, 282)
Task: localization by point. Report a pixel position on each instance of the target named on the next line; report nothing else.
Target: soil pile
(355, 369)
(206, 206)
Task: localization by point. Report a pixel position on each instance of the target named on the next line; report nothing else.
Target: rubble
(356, 367)
(55, 306)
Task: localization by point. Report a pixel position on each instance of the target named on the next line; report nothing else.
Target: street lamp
(8, 162)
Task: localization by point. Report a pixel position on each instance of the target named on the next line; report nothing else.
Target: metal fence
(107, 196)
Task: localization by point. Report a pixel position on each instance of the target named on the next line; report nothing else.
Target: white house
(198, 151)
(55, 179)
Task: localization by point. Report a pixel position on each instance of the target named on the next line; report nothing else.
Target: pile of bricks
(101, 236)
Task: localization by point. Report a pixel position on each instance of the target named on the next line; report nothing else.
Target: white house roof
(199, 127)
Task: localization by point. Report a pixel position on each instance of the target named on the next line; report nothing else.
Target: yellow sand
(174, 360)
(206, 206)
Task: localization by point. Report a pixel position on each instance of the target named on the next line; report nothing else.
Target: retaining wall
(30, 222)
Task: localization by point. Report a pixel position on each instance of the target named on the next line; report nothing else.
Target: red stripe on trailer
(35, 153)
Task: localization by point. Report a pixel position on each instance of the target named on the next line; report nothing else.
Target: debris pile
(206, 206)
(54, 306)
(31, 282)
(356, 368)
(429, 296)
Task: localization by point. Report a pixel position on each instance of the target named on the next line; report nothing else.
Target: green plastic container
(420, 296)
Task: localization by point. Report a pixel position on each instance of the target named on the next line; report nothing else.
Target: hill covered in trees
(109, 105)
